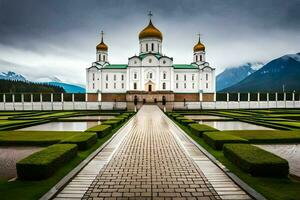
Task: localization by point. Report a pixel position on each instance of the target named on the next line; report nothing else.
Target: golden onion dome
(102, 46)
(199, 46)
(150, 32)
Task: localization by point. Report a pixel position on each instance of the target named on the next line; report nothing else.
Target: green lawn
(271, 188)
(28, 190)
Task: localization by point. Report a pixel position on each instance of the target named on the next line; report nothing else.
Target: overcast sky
(58, 37)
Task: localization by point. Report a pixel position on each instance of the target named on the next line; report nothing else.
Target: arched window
(164, 75)
(193, 85)
(184, 85)
(193, 76)
(147, 47)
(122, 85)
(206, 85)
(115, 77)
(103, 57)
(150, 75)
(196, 58)
(164, 86)
(206, 76)
(99, 57)
(200, 57)
(185, 77)
(93, 85)
(135, 76)
(176, 85)
(106, 85)
(114, 85)
(93, 76)
(177, 77)
(107, 77)
(152, 47)
(122, 77)
(134, 86)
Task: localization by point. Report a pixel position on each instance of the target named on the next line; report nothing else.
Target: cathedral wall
(187, 97)
(111, 97)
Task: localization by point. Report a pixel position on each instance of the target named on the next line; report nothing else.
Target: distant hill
(45, 80)
(233, 75)
(18, 86)
(69, 88)
(281, 73)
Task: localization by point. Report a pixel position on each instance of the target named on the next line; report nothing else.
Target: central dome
(150, 32)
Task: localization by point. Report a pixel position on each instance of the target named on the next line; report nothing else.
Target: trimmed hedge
(112, 123)
(44, 163)
(83, 141)
(187, 122)
(199, 129)
(217, 139)
(267, 136)
(101, 130)
(256, 161)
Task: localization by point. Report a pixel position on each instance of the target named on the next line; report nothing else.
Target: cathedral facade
(150, 75)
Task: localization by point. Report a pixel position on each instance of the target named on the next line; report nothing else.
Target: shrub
(217, 139)
(44, 163)
(198, 129)
(179, 119)
(267, 136)
(187, 122)
(256, 161)
(83, 141)
(112, 123)
(101, 130)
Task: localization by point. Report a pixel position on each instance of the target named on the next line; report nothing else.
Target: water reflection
(93, 117)
(62, 126)
(205, 117)
(233, 125)
(290, 152)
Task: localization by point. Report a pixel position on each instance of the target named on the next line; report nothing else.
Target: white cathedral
(150, 72)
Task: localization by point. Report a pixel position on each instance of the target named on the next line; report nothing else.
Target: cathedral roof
(150, 32)
(102, 46)
(185, 66)
(199, 46)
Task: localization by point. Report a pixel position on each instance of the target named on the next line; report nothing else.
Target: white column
(293, 98)
(227, 96)
(22, 100)
(51, 99)
(284, 99)
(73, 101)
(62, 100)
(268, 99)
(41, 101)
(276, 98)
(13, 101)
(4, 100)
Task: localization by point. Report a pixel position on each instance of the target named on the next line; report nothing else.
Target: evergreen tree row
(14, 86)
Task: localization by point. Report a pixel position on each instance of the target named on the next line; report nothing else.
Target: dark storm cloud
(67, 30)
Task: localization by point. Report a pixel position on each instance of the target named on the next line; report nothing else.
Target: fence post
(73, 101)
(86, 100)
(31, 100)
(268, 99)
(293, 98)
(249, 99)
(51, 99)
(284, 99)
(4, 101)
(239, 99)
(22, 100)
(227, 99)
(276, 98)
(41, 100)
(13, 101)
(258, 99)
(215, 99)
(62, 101)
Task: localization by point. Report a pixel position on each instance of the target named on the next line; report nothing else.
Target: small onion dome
(102, 46)
(150, 32)
(199, 46)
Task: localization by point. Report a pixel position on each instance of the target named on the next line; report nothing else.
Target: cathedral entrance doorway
(150, 86)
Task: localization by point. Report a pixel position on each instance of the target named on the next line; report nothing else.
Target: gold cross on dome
(199, 36)
(150, 14)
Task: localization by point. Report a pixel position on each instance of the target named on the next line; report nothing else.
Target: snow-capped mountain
(233, 75)
(12, 76)
(51, 80)
(280, 74)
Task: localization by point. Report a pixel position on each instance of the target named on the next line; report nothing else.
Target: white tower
(101, 51)
(199, 52)
(150, 39)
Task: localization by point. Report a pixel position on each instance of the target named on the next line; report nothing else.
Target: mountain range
(233, 75)
(69, 88)
(280, 74)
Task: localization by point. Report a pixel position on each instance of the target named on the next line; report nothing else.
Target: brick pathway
(155, 161)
